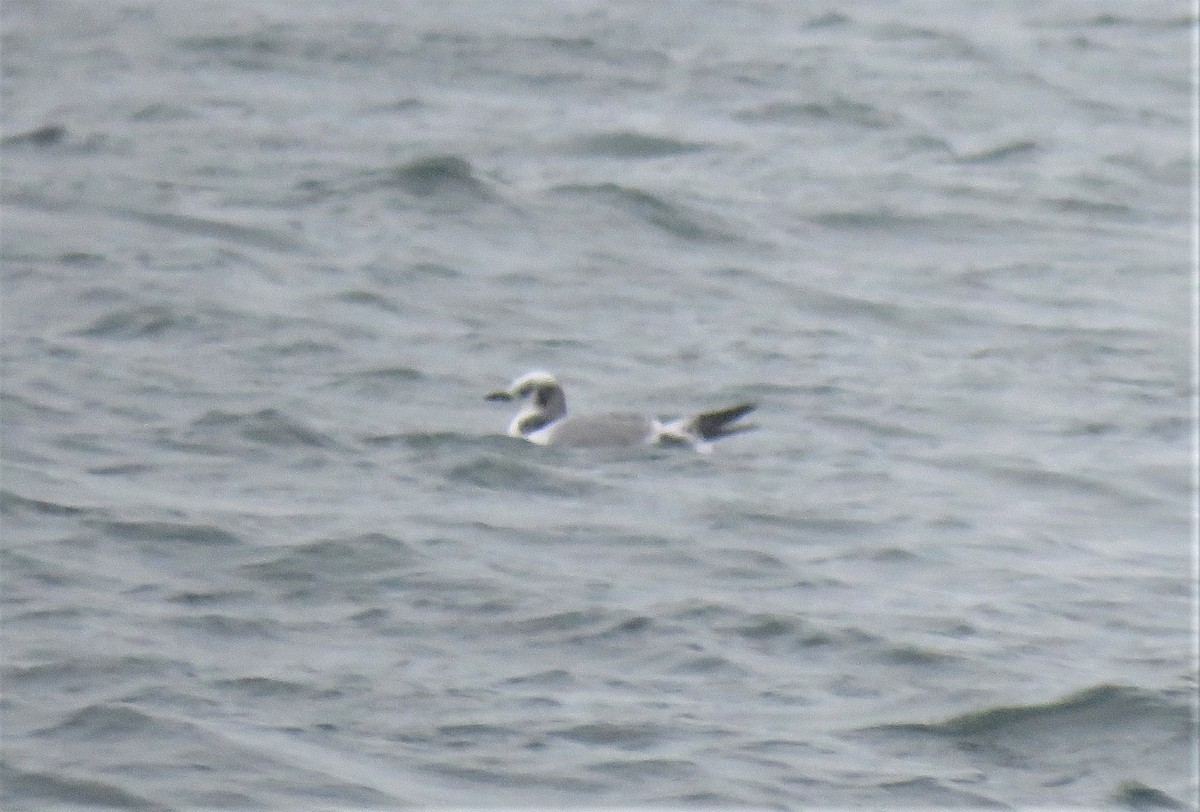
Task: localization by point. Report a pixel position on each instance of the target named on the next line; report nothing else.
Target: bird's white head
(545, 402)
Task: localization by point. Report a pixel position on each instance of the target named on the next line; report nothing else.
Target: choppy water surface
(265, 547)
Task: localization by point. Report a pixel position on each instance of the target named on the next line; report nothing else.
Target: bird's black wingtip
(720, 422)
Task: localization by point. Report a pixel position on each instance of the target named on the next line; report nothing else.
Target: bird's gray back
(602, 430)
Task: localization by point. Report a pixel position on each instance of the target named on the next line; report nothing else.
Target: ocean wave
(71, 674)
(159, 531)
(1091, 711)
(33, 789)
(47, 135)
(13, 503)
(508, 473)
(624, 736)
(109, 721)
(142, 321)
(675, 219)
(371, 555)
(1136, 795)
(266, 427)
(630, 144)
(437, 176)
(837, 110)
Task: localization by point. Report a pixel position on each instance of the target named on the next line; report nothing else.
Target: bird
(543, 419)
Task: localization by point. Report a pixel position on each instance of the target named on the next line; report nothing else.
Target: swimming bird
(543, 420)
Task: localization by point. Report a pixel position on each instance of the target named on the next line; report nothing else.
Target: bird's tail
(720, 422)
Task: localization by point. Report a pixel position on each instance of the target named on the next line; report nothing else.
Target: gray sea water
(265, 545)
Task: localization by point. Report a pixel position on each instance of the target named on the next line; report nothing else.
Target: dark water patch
(924, 143)
(314, 190)
(926, 792)
(63, 617)
(553, 678)
(636, 623)
(477, 596)
(1044, 480)
(213, 598)
(881, 555)
(881, 218)
(785, 633)
(609, 537)
(1092, 428)
(117, 721)
(21, 789)
(614, 630)
(1136, 795)
(1090, 208)
(84, 258)
(224, 799)
(838, 110)
(249, 236)
(250, 51)
(708, 799)
(434, 273)
(765, 626)
(73, 674)
(893, 555)
(434, 441)
(201, 535)
(147, 321)
(1107, 19)
(369, 299)
(828, 19)
(293, 49)
(474, 733)
(918, 656)
(762, 390)
(16, 408)
(745, 563)
(269, 427)
(934, 43)
(371, 618)
(801, 527)
(707, 665)
(578, 626)
(1000, 153)
(560, 624)
(706, 612)
(629, 144)
(48, 135)
(359, 558)
(437, 175)
(86, 442)
(162, 111)
(12, 504)
(1171, 429)
(494, 777)
(507, 474)
(647, 769)
(42, 573)
(262, 688)
(1092, 711)
(402, 105)
(230, 628)
(122, 469)
(671, 218)
(378, 382)
(299, 348)
(625, 736)
(846, 306)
